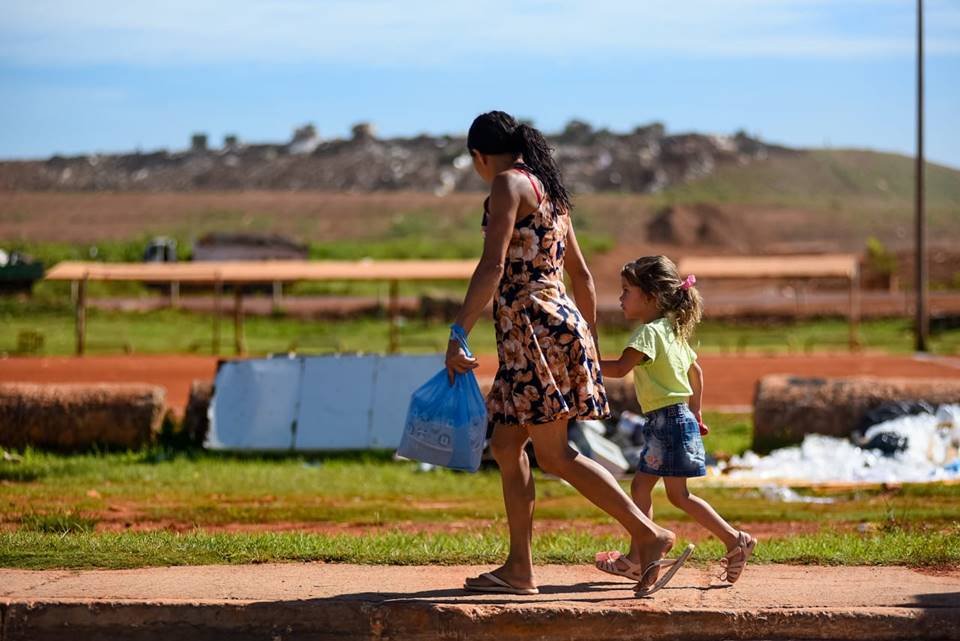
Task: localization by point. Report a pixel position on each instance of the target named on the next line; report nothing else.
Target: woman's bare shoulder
(516, 184)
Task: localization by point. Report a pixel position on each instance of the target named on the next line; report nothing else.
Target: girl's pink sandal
(607, 562)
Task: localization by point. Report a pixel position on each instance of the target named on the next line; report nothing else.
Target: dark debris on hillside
(645, 160)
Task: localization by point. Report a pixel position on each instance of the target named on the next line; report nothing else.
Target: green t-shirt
(662, 379)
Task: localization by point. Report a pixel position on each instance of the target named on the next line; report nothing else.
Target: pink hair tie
(688, 282)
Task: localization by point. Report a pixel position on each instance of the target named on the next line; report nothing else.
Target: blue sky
(110, 75)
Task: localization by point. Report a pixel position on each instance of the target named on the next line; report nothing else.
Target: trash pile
(894, 443)
(912, 443)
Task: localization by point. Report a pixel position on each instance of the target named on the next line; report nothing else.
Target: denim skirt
(671, 443)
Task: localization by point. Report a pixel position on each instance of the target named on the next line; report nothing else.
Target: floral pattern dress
(549, 367)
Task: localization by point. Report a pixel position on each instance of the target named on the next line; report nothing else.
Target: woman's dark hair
(497, 132)
(657, 276)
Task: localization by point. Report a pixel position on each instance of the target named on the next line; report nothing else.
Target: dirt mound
(697, 225)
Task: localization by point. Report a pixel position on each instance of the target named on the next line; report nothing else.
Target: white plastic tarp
(315, 402)
(930, 455)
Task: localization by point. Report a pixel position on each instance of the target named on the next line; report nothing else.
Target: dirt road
(730, 380)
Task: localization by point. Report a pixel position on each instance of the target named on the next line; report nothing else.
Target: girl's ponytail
(677, 299)
(687, 311)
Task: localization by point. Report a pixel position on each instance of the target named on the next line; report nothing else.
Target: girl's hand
(457, 361)
(704, 430)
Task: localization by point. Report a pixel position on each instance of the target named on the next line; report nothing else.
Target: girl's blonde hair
(678, 299)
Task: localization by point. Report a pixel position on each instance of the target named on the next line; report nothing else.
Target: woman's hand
(457, 361)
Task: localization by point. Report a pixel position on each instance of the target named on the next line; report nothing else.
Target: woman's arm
(584, 292)
(629, 359)
(504, 202)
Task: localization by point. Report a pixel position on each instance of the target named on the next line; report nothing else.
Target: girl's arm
(629, 359)
(504, 202)
(584, 292)
(695, 376)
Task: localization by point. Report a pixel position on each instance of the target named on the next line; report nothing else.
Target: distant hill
(824, 178)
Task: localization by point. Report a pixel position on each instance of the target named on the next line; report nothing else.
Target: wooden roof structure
(266, 271)
(238, 273)
(844, 266)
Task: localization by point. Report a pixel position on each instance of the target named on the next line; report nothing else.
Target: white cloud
(425, 33)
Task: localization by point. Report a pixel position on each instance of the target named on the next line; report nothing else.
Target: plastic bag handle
(460, 335)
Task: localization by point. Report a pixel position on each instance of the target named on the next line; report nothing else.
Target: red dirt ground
(684, 529)
(730, 380)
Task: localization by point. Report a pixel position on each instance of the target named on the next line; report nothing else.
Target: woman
(548, 362)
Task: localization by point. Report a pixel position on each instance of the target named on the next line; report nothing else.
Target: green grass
(409, 236)
(50, 493)
(108, 251)
(730, 433)
(33, 550)
(175, 331)
(52, 505)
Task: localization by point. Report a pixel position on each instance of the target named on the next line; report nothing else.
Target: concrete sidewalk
(332, 601)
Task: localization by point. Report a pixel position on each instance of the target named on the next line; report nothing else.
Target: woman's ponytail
(497, 132)
(536, 155)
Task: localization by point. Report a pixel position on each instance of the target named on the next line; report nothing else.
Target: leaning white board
(335, 403)
(315, 403)
(254, 405)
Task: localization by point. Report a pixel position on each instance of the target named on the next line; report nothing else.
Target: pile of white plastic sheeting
(929, 454)
(587, 437)
(782, 494)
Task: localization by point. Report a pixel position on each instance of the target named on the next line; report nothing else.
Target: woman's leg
(649, 542)
(700, 510)
(641, 489)
(507, 446)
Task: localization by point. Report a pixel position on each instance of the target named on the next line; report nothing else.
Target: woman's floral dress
(549, 367)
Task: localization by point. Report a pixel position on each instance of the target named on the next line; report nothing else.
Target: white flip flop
(673, 564)
(499, 586)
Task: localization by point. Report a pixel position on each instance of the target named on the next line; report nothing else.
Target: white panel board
(315, 403)
(254, 404)
(396, 379)
(336, 403)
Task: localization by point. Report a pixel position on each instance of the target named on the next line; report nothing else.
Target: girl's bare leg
(649, 542)
(507, 446)
(700, 510)
(641, 489)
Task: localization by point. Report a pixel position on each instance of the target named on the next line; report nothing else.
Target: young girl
(669, 385)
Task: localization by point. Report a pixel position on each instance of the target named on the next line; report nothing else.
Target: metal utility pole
(922, 323)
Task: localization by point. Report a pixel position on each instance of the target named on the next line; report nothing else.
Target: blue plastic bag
(447, 424)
